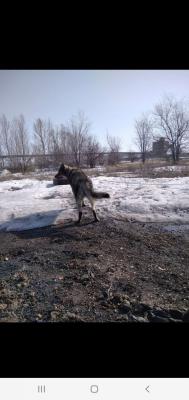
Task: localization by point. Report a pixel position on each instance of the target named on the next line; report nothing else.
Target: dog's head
(61, 171)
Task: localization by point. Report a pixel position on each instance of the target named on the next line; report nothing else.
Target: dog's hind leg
(79, 219)
(96, 219)
(79, 204)
(92, 201)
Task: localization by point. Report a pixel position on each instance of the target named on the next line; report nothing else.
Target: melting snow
(30, 203)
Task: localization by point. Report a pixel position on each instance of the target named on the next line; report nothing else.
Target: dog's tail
(100, 195)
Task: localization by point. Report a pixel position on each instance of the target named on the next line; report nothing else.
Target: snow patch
(30, 203)
(5, 172)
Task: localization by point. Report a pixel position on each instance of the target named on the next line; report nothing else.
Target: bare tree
(15, 142)
(51, 137)
(42, 140)
(5, 131)
(1, 150)
(131, 155)
(172, 119)
(64, 140)
(78, 130)
(7, 142)
(94, 151)
(20, 140)
(41, 136)
(58, 144)
(114, 144)
(144, 134)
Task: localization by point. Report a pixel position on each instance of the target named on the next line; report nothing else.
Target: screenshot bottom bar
(94, 388)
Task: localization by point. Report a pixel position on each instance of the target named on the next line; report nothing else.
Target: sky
(110, 99)
(32, 203)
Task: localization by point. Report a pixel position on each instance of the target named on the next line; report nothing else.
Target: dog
(82, 187)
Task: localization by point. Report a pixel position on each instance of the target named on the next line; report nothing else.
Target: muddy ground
(106, 271)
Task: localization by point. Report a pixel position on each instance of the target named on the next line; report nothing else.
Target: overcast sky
(110, 99)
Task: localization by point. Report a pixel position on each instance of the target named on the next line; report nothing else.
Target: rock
(161, 313)
(20, 251)
(138, 319)
(125, 318)
(85, 277)
(54, 315)
(14, 304)
(20, 285)
(73, 317)
(5, 292)
(154, 318)
(104, 303)
(176, 314)
(10, 317)
(141, 308)
(186, 316)
(100, 297)
(7, 319)
(3, 306)
(120, 299)
(135, 318)
(116, 299)
(175, 320)
(22, 278)
(2, 285)
(125, 307)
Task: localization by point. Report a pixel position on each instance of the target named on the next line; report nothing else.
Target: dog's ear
(60, 171)
(62, 168)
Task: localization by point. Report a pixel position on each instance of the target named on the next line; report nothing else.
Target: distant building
(160, 147)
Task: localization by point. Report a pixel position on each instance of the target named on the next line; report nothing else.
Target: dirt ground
(110, 271)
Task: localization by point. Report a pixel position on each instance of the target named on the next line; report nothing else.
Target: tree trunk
(143, 158)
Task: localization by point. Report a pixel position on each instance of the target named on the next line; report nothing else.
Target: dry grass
(147, 170)
(132, 169)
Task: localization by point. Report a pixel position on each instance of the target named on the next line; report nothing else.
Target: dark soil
(107, 271)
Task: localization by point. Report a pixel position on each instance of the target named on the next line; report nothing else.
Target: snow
(172, 168)
(30, 203)
(4, 172)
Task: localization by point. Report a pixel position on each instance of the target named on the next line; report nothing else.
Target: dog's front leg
(79, 219)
